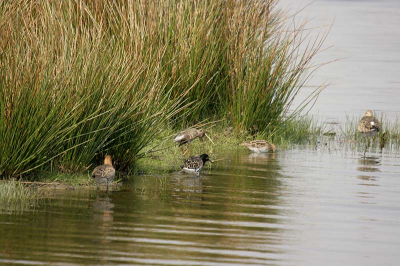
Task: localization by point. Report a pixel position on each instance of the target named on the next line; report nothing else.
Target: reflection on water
(102, 218)
(103, 213)
(368, 166)
(326, 206)
(345, 206)
(296, 207)
(262, 157)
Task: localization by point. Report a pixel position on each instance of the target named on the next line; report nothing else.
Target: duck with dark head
(195, 164)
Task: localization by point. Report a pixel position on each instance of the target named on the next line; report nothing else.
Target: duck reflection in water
(262, 156)
(103, 215)
(368, 165)
(187, 186)
(260, 159)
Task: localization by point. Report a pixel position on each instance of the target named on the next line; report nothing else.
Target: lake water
(322, 206)
(365, 36)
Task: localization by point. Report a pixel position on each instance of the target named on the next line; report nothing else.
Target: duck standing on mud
(195, 164)
(104, 173)
(187, 136)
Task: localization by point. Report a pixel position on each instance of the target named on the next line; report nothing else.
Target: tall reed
(73, 90)
(245, 61)
(79, 79)
(16, 198)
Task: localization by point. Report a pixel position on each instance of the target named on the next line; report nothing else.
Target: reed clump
(81, 79)
(74, 87)
(16, 197)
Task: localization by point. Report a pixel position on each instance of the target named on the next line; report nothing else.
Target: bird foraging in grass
(259, 146)
(195, 164)
(187, 136)
(105, 173)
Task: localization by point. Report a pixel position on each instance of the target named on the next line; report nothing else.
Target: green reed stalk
(69, 100)
(16, 198)
(81, 79)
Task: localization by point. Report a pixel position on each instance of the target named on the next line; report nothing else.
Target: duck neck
(108, 160)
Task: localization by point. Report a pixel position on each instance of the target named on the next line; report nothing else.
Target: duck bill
(210, 161)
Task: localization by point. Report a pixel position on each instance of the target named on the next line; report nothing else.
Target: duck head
(108, 160)
(204, 157)
(369, 113)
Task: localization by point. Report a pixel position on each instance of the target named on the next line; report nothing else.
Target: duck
(104, 173)
(194, 164)
(259, 146)
(368, 125)
(187, 136)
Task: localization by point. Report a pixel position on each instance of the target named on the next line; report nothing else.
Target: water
(322, 206)
(326, 206)
(365, 36)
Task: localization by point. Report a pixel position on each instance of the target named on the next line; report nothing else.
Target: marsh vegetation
(17, 197)
(83, 79)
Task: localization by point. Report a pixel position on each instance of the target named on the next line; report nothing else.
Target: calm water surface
(365, 36)
(326, 206)
(322, 206)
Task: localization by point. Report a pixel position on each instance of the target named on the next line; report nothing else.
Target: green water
(296, 207)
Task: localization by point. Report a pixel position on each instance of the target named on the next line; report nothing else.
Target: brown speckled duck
(195, 164)
(368, 125)
(187, 136)
(104, 173)
(259, 146)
